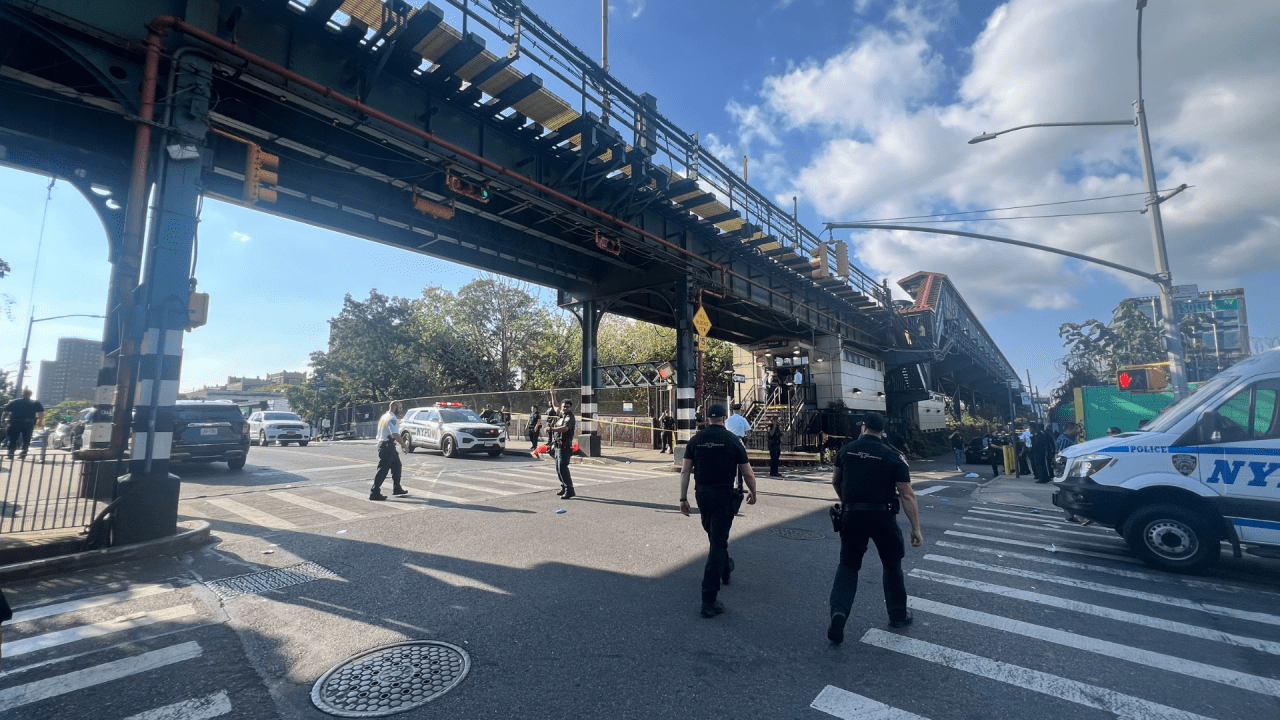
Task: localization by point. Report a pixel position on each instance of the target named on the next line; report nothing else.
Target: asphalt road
(592, 613)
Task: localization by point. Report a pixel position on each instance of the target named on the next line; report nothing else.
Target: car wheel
(1173, 538)
(303, 443)
(262, 438)
(236, 464)
(408, 442)
(449, 447)
(495, 452)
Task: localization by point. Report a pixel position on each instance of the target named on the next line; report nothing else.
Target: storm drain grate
(391, 679)
(796, 534)
(268, 580)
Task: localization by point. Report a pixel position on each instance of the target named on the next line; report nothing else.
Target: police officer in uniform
(561, 439)
(870, 479)
(388, 461)
(535, 426)
(716, 457)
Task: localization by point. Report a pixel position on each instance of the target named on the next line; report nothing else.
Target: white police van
(1206, 470)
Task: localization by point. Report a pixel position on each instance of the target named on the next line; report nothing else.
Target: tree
(500, 320)
(6, 388)
(1097, 350)
(555, 358)
(6, 300)
(374, 353)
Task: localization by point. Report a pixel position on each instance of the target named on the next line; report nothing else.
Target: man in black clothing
(535, 427)
(870, 479)
(23, 414)
(1041, 453)
(561, 439)
(774, 434)
(716, 456)
(668, 424)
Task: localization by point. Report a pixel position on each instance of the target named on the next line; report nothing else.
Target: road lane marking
(1042, 528)
(75, 681)
(252, 514)
(847, 706)
(1150, 577)
(1147, 658)
(1017, 532)
(1113, 590)
(1080, 693)
(1042, 546)
(93, 630)
(1023, 514)
(930, 490)
(133, 593)
(348, 492)
(451, 483)
(316, 505)
(478, 476)
(327, 468)
(1173, 626)
(204, 708)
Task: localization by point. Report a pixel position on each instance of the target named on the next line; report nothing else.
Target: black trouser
(715, 507)
(774, 452)
(1040, 465)
(533, 438)
(19, 432)
(856, 528)
(997, 459)
(388, 460)
(666, 439)
(562, 455)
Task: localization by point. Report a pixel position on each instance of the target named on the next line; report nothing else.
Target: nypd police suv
(452, 429)
(1205, 470)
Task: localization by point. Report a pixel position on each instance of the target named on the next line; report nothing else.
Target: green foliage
(58, 413)
(6, 388)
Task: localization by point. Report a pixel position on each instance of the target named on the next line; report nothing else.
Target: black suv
(209, 432)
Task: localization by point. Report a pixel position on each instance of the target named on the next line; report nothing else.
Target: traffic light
(1142, 379)
(842, 258)
(821, 265)
(1132, 380)
(462, 187)
(259, 167)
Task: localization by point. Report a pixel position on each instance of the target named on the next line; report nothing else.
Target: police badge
(1185, 464)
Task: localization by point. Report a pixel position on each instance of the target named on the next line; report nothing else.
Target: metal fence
(51, 491)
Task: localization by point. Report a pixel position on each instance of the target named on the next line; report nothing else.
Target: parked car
(99, 419)
(60, 438)
(976, 454)
(268, 426)
(452, 429)
(209, 432)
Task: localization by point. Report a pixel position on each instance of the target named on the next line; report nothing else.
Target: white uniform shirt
(799, 378)
(388, 426)
(738, 425)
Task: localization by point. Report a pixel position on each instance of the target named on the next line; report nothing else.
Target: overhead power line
(1013, 207)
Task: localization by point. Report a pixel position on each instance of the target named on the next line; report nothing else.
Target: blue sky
(860, 108)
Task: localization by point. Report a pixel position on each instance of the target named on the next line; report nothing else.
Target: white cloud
(633, 8)
(240, 236)
(885, 144)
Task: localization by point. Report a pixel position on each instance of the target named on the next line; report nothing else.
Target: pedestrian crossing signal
(1143, 379)
(1132, 380)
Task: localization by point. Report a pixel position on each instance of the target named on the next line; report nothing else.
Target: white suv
(452, 429)
(268, 426)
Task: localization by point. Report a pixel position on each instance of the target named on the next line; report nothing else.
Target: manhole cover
(796, 534)
(391, 679)
(267, 580)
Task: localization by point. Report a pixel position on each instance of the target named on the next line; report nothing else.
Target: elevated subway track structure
(950, 351)
(393, 126)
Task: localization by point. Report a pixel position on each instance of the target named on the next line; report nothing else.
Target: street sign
(1026, 399)
(739, 378)
(1184, 293)
(701, 322)
(1203, 306)
(322, 388)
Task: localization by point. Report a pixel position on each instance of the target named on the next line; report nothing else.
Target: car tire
(408, 442)
(1173, 538)
(236, 464)
(303, 443)
(495, 452)
(262, 438)
(449, 446)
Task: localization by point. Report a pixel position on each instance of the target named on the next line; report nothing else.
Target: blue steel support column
(588, 431)
(150, 505)
(686, 368)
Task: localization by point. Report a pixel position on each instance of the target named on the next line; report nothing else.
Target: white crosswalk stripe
(35, 613)
(250, 513)
(848, 706)
(1020, 533)
(316, 505)
(1042, 546)
(1048, 527)
(20, 695)
(1120, 704)
(84, 632)
(364, 497)
(931, 490)
(204, 708)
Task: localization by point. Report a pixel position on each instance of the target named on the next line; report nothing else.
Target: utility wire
(35, 268)
(1024, 217)
(1012, 207)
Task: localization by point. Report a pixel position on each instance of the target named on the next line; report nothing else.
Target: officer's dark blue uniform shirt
(869, 470)
(716, 455)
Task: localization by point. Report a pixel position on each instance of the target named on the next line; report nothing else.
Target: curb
(184, 539)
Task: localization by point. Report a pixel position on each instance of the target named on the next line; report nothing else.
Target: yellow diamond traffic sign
(701, 322)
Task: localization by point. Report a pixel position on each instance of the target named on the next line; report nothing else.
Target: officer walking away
(561, 440)
(716, 457)
(388, 459)
(534, 427)
(737, 424)
(871, 480)
(774, 435)
(23, 415)
(668, 425)
(1041, 453)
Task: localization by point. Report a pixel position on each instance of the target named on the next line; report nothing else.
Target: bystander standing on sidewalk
(957, 448)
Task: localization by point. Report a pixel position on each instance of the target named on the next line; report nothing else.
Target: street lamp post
(22, 364)
(1172, 338)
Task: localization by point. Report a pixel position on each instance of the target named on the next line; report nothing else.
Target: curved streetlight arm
(1153, 277)
(59, 317)
(22, 364)
(991, 136)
